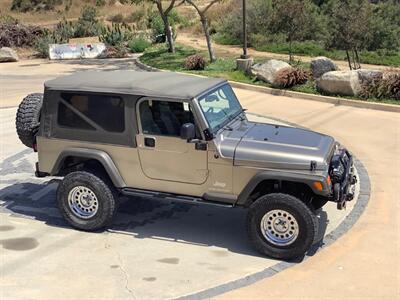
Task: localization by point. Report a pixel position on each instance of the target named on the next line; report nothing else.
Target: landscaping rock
(321, 65)
(267, 71)
(8, 55)
(344, 83)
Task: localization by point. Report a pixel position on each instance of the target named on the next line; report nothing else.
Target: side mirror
(188, 132)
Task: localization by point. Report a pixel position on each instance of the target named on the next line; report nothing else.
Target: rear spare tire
(28, 118)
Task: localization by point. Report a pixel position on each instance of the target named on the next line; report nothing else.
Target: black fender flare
(99, 155)
(307, 179)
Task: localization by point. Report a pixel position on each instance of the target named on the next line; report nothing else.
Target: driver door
(163, 154)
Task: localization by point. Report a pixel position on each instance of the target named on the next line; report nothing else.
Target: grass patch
(159, 57)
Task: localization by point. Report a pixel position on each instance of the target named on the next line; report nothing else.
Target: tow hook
(341, 205)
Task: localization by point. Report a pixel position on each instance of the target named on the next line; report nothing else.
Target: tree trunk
(354, 60)
(211, 53)
(290, 50)
(357, 59)
(168, 34)
(167, 29)
(348, 59)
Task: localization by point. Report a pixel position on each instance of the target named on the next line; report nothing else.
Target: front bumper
(343, 178)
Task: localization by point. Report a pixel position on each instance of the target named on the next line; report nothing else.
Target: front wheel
(281, 226)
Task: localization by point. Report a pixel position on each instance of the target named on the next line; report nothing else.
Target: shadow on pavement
(198, 225)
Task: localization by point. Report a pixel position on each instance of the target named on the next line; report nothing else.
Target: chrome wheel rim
(83, 202)
(279, 227)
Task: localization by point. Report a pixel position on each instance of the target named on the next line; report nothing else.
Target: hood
(276, 147)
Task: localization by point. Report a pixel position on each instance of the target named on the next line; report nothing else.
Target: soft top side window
(78, 109)
(164, 117)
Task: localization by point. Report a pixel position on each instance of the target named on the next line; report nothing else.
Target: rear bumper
(39, 173)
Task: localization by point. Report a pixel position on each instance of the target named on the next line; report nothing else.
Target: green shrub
(177, 20)
(138, 45)
(42, 43)
(157, 29)
(141, 16)
(290, 77)
(225, 39)
(65, 30)
(88, 24)
(195, 62)
(116, 34)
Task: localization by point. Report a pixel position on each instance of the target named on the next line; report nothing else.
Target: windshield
(220, 106)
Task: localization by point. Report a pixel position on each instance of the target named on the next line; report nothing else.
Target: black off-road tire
(105, 194)
(307, 226)
(28, 118)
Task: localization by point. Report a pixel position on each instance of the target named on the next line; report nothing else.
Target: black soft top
(151, 84)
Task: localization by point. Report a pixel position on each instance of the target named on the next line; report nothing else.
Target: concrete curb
(146, 67)
(297, 95)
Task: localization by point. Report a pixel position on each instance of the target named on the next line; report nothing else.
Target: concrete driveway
(157, 250)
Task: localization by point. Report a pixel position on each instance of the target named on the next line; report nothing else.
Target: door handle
(150, 142)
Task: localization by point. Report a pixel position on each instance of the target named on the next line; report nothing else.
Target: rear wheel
(28, 118)
(86, 201)
(281, 226)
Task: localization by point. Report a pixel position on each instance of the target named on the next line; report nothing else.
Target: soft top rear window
(85, 111)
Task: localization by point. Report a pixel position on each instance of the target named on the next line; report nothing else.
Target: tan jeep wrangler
(180, 138)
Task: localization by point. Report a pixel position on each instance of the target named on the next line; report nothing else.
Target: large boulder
(321, 65)
(8, 55)
(267, 71)
(344, 83)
